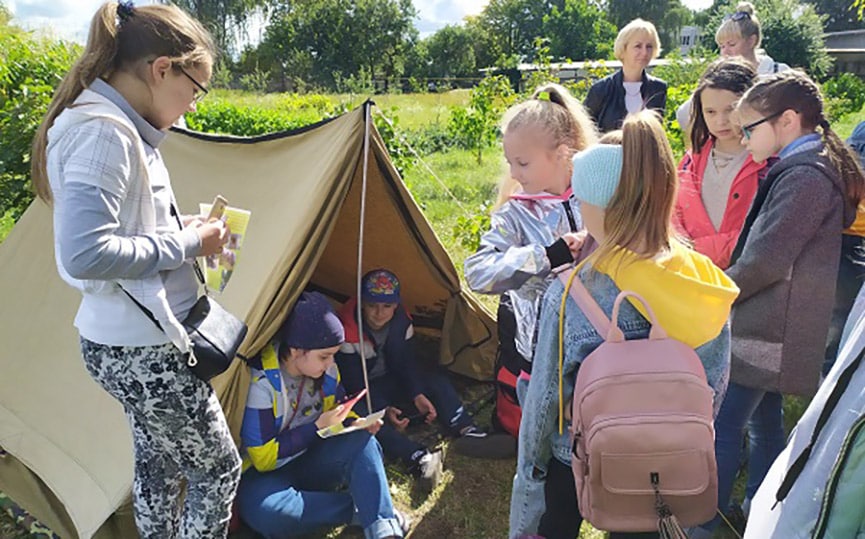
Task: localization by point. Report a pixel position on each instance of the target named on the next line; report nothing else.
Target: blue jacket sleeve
(350, 368)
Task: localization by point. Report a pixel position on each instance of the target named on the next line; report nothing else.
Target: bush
(289, 112)
(845, 94)
(30, 70)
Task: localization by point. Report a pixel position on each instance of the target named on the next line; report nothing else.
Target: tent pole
(367, 119)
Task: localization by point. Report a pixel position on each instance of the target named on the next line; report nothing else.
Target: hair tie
(125, 11)
(543, 96)
(824, 123)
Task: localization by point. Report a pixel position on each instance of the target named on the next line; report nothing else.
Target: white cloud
(68, 19)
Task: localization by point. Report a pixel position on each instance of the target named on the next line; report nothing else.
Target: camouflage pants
(179, 433)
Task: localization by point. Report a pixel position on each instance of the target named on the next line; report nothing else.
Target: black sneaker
(478, 444)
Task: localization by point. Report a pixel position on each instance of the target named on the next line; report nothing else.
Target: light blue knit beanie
(596, 174)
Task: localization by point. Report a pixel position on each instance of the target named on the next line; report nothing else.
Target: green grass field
(473, 500)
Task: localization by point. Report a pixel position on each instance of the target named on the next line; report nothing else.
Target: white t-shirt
(633, 97)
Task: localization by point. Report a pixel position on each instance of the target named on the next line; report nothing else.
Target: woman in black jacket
(629, 89)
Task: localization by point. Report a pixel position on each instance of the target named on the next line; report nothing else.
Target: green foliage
(7, 221)
(314, 40)
(469, 228)
(227, 20)
(668, 16)
(840, 14)
(291, 111)
(30, 70)
(845, 94)
(544, 73)
(579, 18)
(476, 127)
(580, 88)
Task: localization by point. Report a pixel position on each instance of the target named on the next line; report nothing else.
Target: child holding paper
(292, 477)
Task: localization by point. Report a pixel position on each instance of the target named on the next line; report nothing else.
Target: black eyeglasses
(202, 91)
(738, 16)
(747, 130)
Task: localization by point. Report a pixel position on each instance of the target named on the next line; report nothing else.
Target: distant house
(689, 37)
(848, 50)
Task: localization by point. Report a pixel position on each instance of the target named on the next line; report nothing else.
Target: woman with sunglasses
(739, 35)
(785, 264)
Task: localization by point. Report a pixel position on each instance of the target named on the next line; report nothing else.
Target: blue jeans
(387, 391)
(338, 480)
(762, 412)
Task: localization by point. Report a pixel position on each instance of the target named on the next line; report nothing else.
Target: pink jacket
(691, 218)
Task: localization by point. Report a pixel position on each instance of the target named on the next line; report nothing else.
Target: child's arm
(503, 263)
(350, 368)
(799, 203)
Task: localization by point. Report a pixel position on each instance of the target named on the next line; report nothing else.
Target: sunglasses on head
(738, 16)
(748, 129)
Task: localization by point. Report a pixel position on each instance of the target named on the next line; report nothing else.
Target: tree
(226, 19)
(579, 31)
(450, 53)
(513, 25)
(668, 16)
(322, 41)
(840, 15)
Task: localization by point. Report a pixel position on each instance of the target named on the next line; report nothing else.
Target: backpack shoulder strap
(585, 302)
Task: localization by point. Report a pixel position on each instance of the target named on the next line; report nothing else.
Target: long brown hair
(638, 216)
(555, 110)
(796, 91)
(731, 74)
(121, 35)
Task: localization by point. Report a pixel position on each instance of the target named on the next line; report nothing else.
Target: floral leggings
(179, 433)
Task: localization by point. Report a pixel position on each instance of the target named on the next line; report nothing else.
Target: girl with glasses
(786, 265)
(96, 161)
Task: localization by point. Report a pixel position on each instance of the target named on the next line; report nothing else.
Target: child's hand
(392, 416)
(212, 235)
(332, 417)
(375, 427)
(575, 241)
(425, 407)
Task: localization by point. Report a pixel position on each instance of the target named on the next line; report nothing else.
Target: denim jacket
(539, 436)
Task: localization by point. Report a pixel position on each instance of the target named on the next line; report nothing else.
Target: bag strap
(834, 397)
(195, 266)
(586, 303)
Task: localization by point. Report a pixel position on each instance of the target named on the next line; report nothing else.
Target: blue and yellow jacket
(264, 443)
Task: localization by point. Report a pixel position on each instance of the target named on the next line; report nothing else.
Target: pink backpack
(642, 427)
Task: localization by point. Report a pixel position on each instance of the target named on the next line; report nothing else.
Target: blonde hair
(639, 215)
(630, 31)
(611, 137)
(119, 37)
(552, 109)
(740, 25)
(794, 90)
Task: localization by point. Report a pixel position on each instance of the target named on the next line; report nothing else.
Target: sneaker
(429, 469)
(475, 443)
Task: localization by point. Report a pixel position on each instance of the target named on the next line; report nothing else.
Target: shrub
(845, 94)
(30, 70)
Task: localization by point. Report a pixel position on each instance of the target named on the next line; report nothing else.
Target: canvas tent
(68, 453)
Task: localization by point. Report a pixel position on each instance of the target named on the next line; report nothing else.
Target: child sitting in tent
(294, 485)
(396, 383)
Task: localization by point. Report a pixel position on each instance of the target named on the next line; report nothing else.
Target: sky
(69, 18)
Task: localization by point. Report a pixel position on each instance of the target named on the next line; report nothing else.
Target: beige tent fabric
(70, 453)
